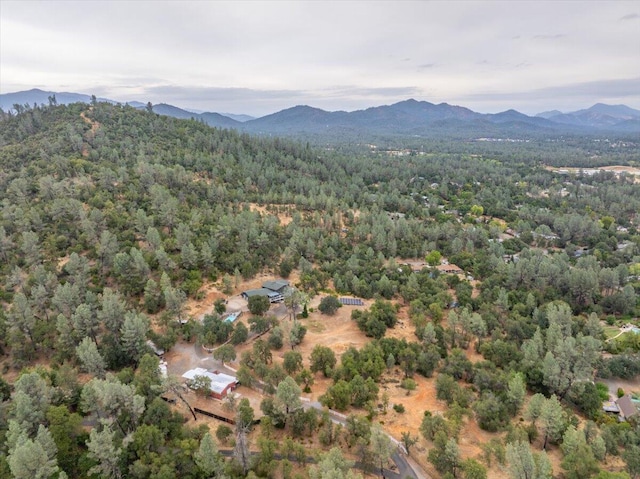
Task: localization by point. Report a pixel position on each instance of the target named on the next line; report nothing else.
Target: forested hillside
(113, 218)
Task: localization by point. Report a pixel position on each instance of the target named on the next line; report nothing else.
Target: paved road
(310, 460)
(404, 468)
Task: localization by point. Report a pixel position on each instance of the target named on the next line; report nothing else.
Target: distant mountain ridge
(408, 117)
(598, 116)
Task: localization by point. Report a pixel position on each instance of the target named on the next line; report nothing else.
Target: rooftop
(627, 408)
(449, 267)
(276, 284)
(219, 381)
(260, 292)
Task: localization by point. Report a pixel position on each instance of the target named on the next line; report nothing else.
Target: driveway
(405, 467)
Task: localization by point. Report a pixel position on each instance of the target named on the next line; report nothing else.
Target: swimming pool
(232, 317)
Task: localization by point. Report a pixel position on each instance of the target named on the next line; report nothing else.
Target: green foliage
(408, 440)
(524, 464)
(491, 412)
(219, 306)
(258, 305)
(322, 359)
(276, 338)
(225, 353)
(433, 258)
(587, 398)
(214, 330)
(631, 458)
(445, 455)
(431, 424)
(579, 460)
(338, 396)
(292, 362)
(201, 385)
(329, 305)
(409, 384)
(240, 333)
(474, 470)
(5, 390)
(297, 334)
(260, 325)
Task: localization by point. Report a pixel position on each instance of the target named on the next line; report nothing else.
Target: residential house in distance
(221, 384)
(449, 269)
(627, 407)
(624, 407)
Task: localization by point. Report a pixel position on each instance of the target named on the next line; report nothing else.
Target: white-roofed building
(221, 383)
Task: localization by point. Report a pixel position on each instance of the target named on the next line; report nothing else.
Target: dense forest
(113, 218)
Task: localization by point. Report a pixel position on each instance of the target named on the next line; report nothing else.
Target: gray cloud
(565, 97)
(268, 55)
(373, 92)
(618, 88)
(209, 94)
(557, 36)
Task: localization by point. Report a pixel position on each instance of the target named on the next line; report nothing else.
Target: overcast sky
(261, 57)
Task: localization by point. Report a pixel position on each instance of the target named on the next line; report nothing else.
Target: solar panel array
(351, 301)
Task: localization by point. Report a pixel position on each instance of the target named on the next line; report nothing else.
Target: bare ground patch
(284, 212)
(630, 170)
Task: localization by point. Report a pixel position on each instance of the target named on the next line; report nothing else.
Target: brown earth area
(631, 170)
(284, 217)
(339, 333)
(90, 134)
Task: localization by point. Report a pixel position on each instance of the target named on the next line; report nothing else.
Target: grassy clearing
(611, 331)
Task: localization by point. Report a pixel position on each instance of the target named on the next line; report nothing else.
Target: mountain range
(406, 118)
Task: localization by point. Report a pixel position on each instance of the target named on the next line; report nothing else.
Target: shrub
(223, 433)
(329, 305)
(399, 408)
(258, 305)
(408, 384)
(603, 391)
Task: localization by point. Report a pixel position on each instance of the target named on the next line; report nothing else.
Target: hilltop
(405, 119)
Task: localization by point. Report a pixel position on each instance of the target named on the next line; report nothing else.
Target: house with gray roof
(277, 285)
(627, 407)
(274, 290)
